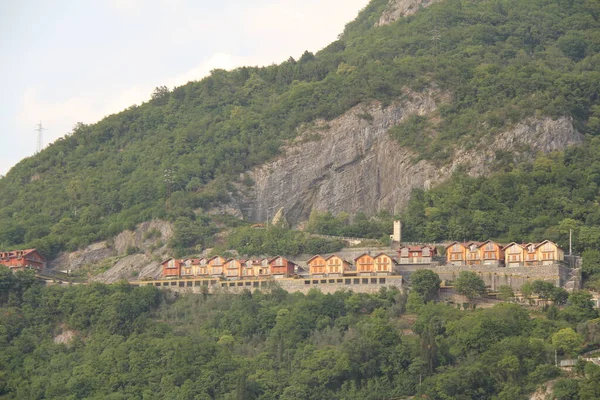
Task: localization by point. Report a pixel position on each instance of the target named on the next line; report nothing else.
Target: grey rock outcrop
(397, 9)
(355, 165)
(148, 242)
(75, 260)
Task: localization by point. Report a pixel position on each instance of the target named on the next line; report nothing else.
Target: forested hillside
(501, 61)
(120, 342)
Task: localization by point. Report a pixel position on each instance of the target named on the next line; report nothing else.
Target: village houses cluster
(457, 253)
(281, 267)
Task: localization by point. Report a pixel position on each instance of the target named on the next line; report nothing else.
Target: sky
(73, 61)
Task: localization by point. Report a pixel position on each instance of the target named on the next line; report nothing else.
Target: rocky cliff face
(354, 165)
(131, 254)
(397, 9)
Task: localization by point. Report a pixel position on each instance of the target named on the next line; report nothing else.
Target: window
(456, 247)
(489, 246)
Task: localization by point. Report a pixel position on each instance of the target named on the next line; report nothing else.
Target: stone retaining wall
(495, 276)
(362, 284)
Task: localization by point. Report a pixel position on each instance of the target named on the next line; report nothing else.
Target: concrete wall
(494, 276)
(363, 284)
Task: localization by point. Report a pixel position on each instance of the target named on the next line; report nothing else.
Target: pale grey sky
(69, 61)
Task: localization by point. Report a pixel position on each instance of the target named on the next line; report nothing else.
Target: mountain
(412, 94)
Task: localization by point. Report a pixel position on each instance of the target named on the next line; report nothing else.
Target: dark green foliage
(470, 285)
(501, 60)
(279, 241)
(426, 283)
(138, 342)
(325, 223)
(545, 199)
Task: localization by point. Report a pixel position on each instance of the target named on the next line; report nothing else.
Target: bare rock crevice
(356, 166)
(397, 9)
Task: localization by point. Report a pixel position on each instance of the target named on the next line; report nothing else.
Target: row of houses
(280, 267)
(217, 266)
(22, 259)
(457, 253)
(510, 255)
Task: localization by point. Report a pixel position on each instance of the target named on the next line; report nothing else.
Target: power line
(40, 137)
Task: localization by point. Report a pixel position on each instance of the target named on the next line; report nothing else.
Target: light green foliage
(360, 225)
(502, 61)
(567, 341)
(279, 241)
(506, 293)
(579, 307)
(426, 283)
(142, 343)
(470, 285)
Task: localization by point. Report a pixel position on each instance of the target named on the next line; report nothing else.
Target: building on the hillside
(416, 254)
(187, 269)
(281, 267)
(456, 253)
(383, 264)
(233, 268)
(544, 253)
(215, 266)
(364, 264)
(248, 269)
(200, 266)
(316, 265)
(476, 253)
(262, 269)
(337, 266)
(473, 253)
(515, 254)
(491, 253)
(22, 259)
(171, 268)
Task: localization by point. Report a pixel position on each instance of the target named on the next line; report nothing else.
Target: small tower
(397, 235)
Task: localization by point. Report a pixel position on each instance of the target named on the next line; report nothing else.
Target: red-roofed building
(281, 267)
(171, 268)
(416, 254)
(22, 259)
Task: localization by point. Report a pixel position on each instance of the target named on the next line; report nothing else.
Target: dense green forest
(176, 155)
(546, 199)
(140, 343)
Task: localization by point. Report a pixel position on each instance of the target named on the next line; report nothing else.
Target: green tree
(506, 293)
(567, 341)
(426, 283)
(470, 285)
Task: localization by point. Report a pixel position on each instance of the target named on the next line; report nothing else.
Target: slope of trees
(502, 60)
(134, 343)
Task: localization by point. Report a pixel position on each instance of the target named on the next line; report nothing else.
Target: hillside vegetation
(502, 61)
(120, 342)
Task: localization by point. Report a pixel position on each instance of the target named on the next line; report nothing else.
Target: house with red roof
(22, 259)
(171, 268)
(416, 254)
